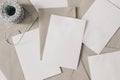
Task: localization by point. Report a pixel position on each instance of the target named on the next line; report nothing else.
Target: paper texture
(28, 51)
(103, 21)
(49, 3)
(115, 2)
(2, 76)
(105, 67)
(44, 19)
(63, 42)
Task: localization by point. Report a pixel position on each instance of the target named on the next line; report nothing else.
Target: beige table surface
(9, 62)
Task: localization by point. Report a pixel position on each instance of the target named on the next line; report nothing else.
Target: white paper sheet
(105, 67)
(103, 21)
(64, 41)
(49, 3)
(2, 76)
(28, 51)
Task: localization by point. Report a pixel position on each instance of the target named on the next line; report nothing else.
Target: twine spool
(11, 12)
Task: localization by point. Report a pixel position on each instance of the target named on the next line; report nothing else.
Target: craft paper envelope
(105, 67)
(2, 76)
(44, 19)
(64, 41)
(49, 3)
(103, 21)
(28, 51)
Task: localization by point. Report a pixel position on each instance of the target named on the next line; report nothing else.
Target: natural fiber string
(11, 12)
(26, 30)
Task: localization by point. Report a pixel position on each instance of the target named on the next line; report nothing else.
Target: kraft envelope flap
(63, 42)
(2, 76)
(28, 51)
(103, 21)
(44, 19)
(49, 3)
(105, 67)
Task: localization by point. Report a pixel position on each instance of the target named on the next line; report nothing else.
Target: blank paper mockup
(63, 42)
(49, 3)
(28, 51)
(103, 20)
(105, 67)
(44, 19)
(2, 76)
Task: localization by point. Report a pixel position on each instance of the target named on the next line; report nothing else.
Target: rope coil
(11, 12)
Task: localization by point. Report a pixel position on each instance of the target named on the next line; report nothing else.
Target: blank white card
(28, 51)
(103, 21)
(105, 67)
(63, 43)
(49, 3)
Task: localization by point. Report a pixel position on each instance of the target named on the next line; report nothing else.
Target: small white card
(63, 43)
(103, 21)
(28, 51)
(105, 67)
(49, 3)
(2, 76)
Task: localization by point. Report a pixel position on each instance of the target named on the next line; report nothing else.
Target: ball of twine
(11, 12)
